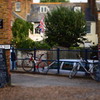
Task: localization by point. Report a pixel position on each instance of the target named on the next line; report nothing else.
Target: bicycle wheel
(94, 72)
(27, 65)
(42, 66)
(73, 72)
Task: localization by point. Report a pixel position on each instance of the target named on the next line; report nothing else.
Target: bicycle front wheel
(73, 72)
(27, 65)
(42, 66)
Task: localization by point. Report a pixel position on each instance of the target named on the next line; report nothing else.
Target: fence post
(58, 54)
(13, 58)
(86, 57)
(34, 58)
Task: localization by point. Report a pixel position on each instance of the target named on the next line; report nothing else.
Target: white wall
(78, 0)
(92, 38)
(36, 1)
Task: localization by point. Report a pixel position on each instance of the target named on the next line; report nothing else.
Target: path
(34, 80)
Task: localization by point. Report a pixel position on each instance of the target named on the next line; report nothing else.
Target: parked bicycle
(29, 64)
(91, 70)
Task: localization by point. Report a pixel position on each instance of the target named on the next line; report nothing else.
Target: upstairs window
(18, 6)
(88, 27)
(77, 8)
(44, 9)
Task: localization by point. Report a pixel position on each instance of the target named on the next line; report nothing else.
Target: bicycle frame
(91, 67)
(32, 62)
(90, 70)
(36, 60)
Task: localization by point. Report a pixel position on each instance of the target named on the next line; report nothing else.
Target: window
(54, 65)
(77, 8)
(88, 27)
(1, 23)
(67, 65)
(44, 9)
(18, 6)
(37, 30)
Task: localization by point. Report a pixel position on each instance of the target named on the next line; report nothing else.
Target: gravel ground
(44, 87)
(34, 80)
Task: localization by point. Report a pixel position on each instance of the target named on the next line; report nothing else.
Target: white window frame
(18, 6)
(77, 8)
(44, 9)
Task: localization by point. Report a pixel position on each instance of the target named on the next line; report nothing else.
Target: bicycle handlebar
(84, 60)
(79, 56)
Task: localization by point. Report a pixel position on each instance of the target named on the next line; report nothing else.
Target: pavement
(38, 80)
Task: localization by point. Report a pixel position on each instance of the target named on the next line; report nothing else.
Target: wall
(5, 14)
(93, 36)
(5, 32)
(25, 8)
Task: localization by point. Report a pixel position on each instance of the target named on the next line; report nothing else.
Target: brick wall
(25, 8)
(5, 32)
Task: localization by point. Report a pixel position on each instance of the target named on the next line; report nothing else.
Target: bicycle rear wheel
(42, 66)
(94, 72)
(27, 65)
(73, 72)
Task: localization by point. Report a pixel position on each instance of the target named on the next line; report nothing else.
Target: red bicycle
(29, 63)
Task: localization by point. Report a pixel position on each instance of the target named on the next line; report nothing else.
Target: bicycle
(29, 64)
(92, 68)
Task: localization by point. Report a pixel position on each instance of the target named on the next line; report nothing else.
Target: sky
(36, 1)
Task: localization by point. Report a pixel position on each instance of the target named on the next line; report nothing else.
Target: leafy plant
(21, 38)
(20, 32)
(65, 27)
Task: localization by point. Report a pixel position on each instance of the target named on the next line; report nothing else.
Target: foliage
(74, 48)
(20, 32)
(65, 27)
(95, 51)
(41, 45)
(54, 0)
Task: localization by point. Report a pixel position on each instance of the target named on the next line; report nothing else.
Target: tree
(20, 30)
(65, 27)
(21, 38)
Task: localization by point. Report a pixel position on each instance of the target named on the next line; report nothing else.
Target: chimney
(92, 6)
(91, 2)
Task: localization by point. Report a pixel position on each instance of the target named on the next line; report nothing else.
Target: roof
(17, 16)
(36, 16)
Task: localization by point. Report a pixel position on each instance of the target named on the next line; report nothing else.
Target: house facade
(20, 9)
(91, 19)
(34, 12)
(39, 10)
(98, 22)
